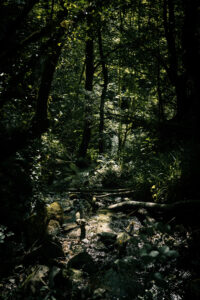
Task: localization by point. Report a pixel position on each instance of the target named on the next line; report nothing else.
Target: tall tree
(89, 76)
(103, 93)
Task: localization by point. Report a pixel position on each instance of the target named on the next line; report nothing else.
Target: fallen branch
(114, 194)
(163, 207)
(99, 191)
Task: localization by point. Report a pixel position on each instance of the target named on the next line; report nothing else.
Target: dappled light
(99, 155)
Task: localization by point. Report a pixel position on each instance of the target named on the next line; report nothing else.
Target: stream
(95, 253)
(120, 255)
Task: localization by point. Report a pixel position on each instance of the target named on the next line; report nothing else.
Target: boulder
(54, 211)
(53, 228)
(122, 239)
(45, 221)
(82, 261)
(121, 242)
(108, 238)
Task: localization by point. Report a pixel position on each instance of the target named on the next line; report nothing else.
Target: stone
(74, 233)
(78, 215)
(54, 211)
(70, 226)
(82, 261)
(75, 274)
(122, 239)
(73, 196)
(99, 293)
(52, 249)
(53, 228)
(54, 272)
(130, 227)
(108, 238)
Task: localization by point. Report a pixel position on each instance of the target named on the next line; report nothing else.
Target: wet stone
(70, 226)
(108, 238)
(75, 233)
(82, 261)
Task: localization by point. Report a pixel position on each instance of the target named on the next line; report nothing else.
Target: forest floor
(100, 254)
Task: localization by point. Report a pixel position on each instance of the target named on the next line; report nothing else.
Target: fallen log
(162, 207)
(99, 191)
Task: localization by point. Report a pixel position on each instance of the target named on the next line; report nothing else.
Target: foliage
(155, 250)
(99, 94)
(4, 233)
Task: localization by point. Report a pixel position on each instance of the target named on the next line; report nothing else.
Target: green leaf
(154, 253)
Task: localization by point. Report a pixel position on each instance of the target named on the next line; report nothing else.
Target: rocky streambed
(91, 252)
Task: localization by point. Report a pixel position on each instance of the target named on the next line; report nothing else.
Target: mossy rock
(73, 196)
(122, 238)
(53, 228)
(55, 211)
(44, 222)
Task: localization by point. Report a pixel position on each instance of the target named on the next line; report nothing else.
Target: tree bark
(89, 66)
(185, 79)
(17, 139)
(41, 116)
(9, 34)
(103, 94)
(191, 59)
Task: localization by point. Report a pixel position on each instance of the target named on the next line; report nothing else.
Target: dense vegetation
(100, 99)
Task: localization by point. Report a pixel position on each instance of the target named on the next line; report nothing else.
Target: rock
(67, 209)
(73, 196)
(70, 226)
(81, 222)
(130, 227)
(75, 275)
(75, 233)
(103, 220)
(53, 274)
(79, 286)
(121, 242)
(108, 238)
(122, 238)
(54, 211)
(78, 215)
(51, 250)
(99, 293)
(53, 228)
(82, 261)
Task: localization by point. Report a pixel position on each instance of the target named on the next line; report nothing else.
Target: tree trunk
(41, 116)
(17, 139)
(89, 65)
(186, 82)
(191, 60)
(103, 94)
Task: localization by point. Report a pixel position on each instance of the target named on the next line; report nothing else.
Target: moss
(54, 211)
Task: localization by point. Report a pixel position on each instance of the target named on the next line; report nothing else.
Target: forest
(99, 149)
